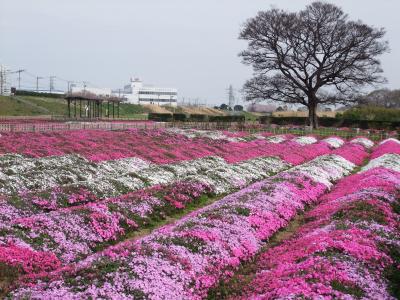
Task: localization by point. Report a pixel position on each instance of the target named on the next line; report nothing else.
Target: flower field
(172, 213)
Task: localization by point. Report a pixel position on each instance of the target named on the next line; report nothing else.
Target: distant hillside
(35, 106)
(45, 106)
(197, 110)
(31, 106)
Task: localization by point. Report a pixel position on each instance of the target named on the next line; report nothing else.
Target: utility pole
(69, 82)
(19, 77)
(37, 83)
(84, 86)
(231, 97)
(1, 80)
(52, 83)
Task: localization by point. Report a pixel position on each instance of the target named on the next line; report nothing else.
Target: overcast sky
(188, 44)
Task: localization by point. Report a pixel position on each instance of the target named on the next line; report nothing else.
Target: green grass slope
(36, 106)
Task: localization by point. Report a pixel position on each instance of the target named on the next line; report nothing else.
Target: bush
(198, 118)
(46, 95)
(238, 118)
(160, 117)
(372, 113)
(331, 122)
(179, 117)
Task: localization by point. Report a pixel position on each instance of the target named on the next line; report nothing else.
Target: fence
(44, 127)
(255, 127)
(326, 132)
(133, 118)
(251, 127)
(24, 118)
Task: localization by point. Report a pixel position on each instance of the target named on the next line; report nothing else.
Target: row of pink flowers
(346, 249)
(343, 251)
(158, 146)
(73, 233)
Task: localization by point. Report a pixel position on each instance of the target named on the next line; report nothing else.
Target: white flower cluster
(211, 134)
(367, 143)
(259, 136)
(334, 142)
(225, 177)
(326, 169)
(116, 177)
(276, 139)
(18, 173)
(305, 140)
(389, 161)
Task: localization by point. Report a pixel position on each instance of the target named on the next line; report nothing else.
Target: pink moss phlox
(387, 147)
(27, 260)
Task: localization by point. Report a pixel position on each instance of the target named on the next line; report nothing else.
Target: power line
(35, 80)
(30, 74)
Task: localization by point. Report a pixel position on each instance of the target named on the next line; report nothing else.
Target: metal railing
(46, 127)
(251, 127)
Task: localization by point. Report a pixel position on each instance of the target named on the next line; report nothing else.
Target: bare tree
(315, 56)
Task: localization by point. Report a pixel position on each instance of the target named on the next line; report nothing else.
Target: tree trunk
(312, 115)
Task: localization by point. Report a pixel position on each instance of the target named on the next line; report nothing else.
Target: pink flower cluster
(352, 152)
(57, 197)
(28, 261)
(75, 232)
(343, 251)
(389, 146)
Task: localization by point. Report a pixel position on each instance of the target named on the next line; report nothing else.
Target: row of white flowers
(211, 134)
(219, 135)
(20, 173)
(367, 143)
(334, 142)
(305, 140)
(389, 161)
(112, 178)
(326, 169)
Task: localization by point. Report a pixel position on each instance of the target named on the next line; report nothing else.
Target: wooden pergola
(90, 106)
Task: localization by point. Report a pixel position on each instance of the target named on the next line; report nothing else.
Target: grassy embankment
(37, 106)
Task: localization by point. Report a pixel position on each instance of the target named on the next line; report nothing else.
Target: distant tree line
(371, 113)
(381, 98)
(224, 106)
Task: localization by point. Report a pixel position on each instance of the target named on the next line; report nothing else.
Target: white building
(138, 93)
